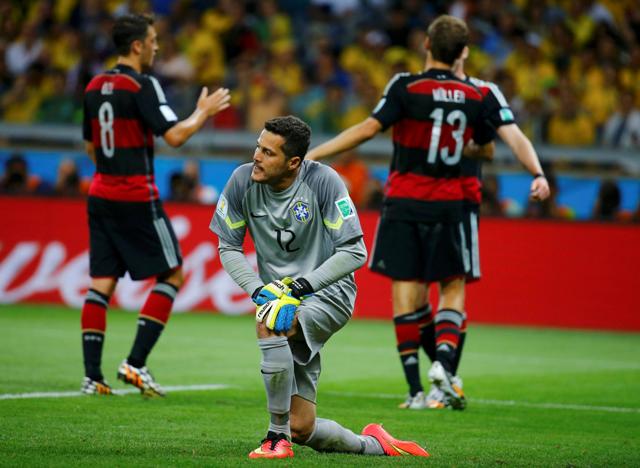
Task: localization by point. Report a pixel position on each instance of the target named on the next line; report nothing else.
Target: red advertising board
(534, 272)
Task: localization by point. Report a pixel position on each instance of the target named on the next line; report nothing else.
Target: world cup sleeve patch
(345, 207)
(222, 207)
(506, 115)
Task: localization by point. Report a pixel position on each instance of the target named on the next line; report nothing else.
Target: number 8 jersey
(434, 115)
(123, 109)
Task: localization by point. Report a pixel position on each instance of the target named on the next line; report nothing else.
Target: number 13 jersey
(123, 109)
(434, 115)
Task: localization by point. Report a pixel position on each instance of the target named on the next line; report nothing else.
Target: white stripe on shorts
(166, 242)
(475, 246)
(465, 251)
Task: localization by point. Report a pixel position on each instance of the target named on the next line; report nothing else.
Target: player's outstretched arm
(526, 154)
(207, 105)
(350, 138)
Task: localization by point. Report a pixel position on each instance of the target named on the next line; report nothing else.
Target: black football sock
(448, 324)
(427, 331)
(463, 336)
(153, 317)
(93, 323)
(408, 337)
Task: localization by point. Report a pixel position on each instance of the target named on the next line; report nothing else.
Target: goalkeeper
(308, 242)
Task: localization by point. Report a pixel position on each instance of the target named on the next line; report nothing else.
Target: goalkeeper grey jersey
(295, 231)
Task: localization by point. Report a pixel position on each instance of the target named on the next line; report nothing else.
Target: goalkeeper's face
(270, 165)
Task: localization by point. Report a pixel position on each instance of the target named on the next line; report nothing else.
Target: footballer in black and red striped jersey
(128, 229)
(123, 111)
(433, 115)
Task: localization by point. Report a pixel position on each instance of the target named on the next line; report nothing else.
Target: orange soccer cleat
(392, 446)
(274, 446)
(95, 387)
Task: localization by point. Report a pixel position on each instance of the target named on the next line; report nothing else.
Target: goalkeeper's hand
(271, 291)
(278, 314)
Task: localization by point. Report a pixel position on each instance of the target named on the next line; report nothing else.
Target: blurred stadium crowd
(571, 69)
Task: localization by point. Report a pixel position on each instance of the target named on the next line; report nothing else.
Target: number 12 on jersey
(456, 119)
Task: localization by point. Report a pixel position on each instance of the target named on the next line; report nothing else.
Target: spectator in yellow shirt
(570, 125)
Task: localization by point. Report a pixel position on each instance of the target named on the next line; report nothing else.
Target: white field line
(174, 388)
(524, 404)
(206, 387)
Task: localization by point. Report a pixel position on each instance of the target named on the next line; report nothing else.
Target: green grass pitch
(537, 397)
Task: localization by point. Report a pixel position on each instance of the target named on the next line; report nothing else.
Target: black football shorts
(411, 250)
(139, 241)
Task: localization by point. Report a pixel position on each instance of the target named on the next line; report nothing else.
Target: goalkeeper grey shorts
(417, 251)
(319, 316)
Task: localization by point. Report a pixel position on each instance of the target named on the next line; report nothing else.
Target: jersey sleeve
(153, 106)
(229, 222)
(338, 211)
(483, 130)
(389, 109)
(498, 111)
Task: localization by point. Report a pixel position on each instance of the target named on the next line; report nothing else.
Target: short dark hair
(448, 36)
(129, 28)
(296, 134)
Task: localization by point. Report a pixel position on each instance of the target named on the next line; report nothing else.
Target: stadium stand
(570, 70)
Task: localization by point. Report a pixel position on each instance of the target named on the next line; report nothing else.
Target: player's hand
(539, 189)
(278, 315)
(213, 103)
(271, 291)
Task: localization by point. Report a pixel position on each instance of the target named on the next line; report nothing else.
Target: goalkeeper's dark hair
(448, 36)
(296, 134)
(129, 28)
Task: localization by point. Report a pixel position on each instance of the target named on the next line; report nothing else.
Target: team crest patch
(222, 207)
(301, 211)
(345, 207)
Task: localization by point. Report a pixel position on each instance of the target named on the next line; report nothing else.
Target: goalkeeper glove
(278, 314)
(271, 291)
(299, 287)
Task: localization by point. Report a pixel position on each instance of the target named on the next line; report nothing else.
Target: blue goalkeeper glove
(278, 314)
(271, 291)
